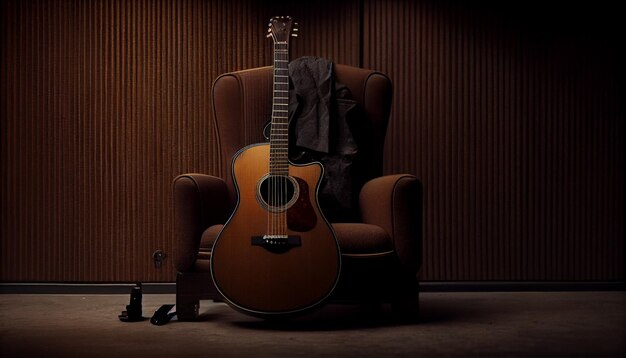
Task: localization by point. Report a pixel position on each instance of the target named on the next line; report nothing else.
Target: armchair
(381, 253)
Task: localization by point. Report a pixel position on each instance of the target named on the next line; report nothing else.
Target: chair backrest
(242, 103)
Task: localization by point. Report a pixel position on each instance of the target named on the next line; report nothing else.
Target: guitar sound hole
(277, 192)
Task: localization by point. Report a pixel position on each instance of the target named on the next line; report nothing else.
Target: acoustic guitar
(277, 253)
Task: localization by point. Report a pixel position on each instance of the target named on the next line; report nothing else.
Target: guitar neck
(279, 135)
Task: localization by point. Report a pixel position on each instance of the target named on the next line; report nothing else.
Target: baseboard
(86, 288)
(427, 286)
(520, 286)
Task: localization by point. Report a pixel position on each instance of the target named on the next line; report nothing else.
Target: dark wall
(511, 116)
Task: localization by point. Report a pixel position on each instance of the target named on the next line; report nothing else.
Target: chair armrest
(394, 203)
(199, 202)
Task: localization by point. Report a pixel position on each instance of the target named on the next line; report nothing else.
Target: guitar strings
(278, 186)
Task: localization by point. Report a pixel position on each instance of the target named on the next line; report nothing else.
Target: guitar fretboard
(279, 134)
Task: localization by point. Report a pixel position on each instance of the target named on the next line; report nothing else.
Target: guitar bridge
(276, 244)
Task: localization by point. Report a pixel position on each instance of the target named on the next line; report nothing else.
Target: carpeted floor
(451, 324)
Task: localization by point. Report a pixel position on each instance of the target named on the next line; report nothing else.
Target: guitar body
(263, 274)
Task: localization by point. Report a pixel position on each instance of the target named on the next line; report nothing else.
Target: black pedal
(163, 315)
(133, 311)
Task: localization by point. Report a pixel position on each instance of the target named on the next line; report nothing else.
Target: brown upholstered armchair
(381, 253)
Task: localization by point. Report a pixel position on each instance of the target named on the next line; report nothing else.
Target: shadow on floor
(340, 317)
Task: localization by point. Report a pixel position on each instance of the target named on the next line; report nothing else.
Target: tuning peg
(294, 35)
(268, 35)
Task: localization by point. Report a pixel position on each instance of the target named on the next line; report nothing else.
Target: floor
(515, 324)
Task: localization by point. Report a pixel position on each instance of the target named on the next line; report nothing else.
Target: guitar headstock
(281, 28)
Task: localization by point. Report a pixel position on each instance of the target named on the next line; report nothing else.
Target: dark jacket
(321, 116)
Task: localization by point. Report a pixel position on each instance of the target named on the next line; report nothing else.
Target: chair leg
(187, 299)
(405, 303)
(191, 287)
(187, 308)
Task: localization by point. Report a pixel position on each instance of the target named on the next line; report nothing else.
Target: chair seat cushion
(354, 239)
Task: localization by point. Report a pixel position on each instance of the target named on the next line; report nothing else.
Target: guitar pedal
(133, 311)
